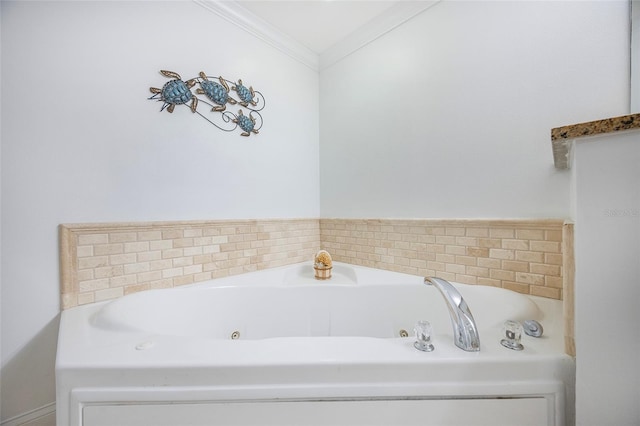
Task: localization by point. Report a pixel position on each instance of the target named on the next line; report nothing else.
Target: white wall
(81, 143)
(607, 244)
(450, 114)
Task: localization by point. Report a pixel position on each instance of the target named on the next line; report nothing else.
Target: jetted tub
(278, 347)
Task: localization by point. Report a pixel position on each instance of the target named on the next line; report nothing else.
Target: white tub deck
(321, 351)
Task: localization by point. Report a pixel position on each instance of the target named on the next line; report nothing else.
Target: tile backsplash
(520, 255)
(105, 261)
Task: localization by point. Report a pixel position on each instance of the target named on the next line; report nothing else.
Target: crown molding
(395, 16)
(256, 26)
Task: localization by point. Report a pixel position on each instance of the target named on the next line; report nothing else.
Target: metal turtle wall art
(246, 123)
(246, 95)
(217, 93)
(175, 92)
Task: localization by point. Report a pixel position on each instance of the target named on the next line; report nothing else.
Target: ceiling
(317, 33)
(317, 24)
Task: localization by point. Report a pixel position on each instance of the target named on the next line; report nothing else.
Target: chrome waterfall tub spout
(465, 330)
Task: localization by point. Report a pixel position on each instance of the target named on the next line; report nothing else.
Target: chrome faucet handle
(423, 332)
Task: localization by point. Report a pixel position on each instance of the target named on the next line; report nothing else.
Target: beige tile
(136, 247)
(489, 281)
(477, 251)
(477, 271)
(172, 272)
(514, 286)
(171, 234)
(551, 293)
(156, 265)
(527, 278)
(477, 232)
(466, 260)
(514, 265)
(145, 277)
(502, 254)
(501, 233)
(515, 244)
(456, 269)
(108, 271)
(445, 258)
(555, 282)
(489, 243)
(490, 263)
(86, 298)
(148, 256)
(93, 285)
(123, 280)
(106, 249)
(467, 241)
(191, 233)
(552, 259)
(108, 294)
(455, 231)
(446, 239)
(530, 234)
(499, 274)
(136, 288)
(466, 279)
(91, 239)
(553, 235)
(530, 256)
(120, 259)
(149, 235)
(546, 246)
(93, 262)
(459, 250)
(86, 274)
(553, 270)
(122, 237)
(160, 245)
(192, 269)
(172, 253)
(135, 268)
(183, 280)
(182, 261)
(85, 251)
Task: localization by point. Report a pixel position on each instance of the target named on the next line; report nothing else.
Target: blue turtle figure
(245, 95)
(175, 92)
(246, 123)
(217, 92)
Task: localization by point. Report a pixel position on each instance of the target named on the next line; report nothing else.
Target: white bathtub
(279, 347)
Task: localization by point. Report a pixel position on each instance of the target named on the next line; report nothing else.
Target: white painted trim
(243, 18)
(393, 17)
(30, 416)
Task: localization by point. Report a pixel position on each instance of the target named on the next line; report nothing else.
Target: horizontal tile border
(105, 261)
(520, 255)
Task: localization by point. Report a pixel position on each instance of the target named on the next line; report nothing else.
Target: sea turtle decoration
(217, 94)
(246, 123)
(175, 92)
(246, 95)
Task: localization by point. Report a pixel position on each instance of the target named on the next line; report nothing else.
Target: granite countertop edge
(560, 136)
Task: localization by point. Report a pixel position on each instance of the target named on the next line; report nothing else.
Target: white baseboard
(30, 416)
